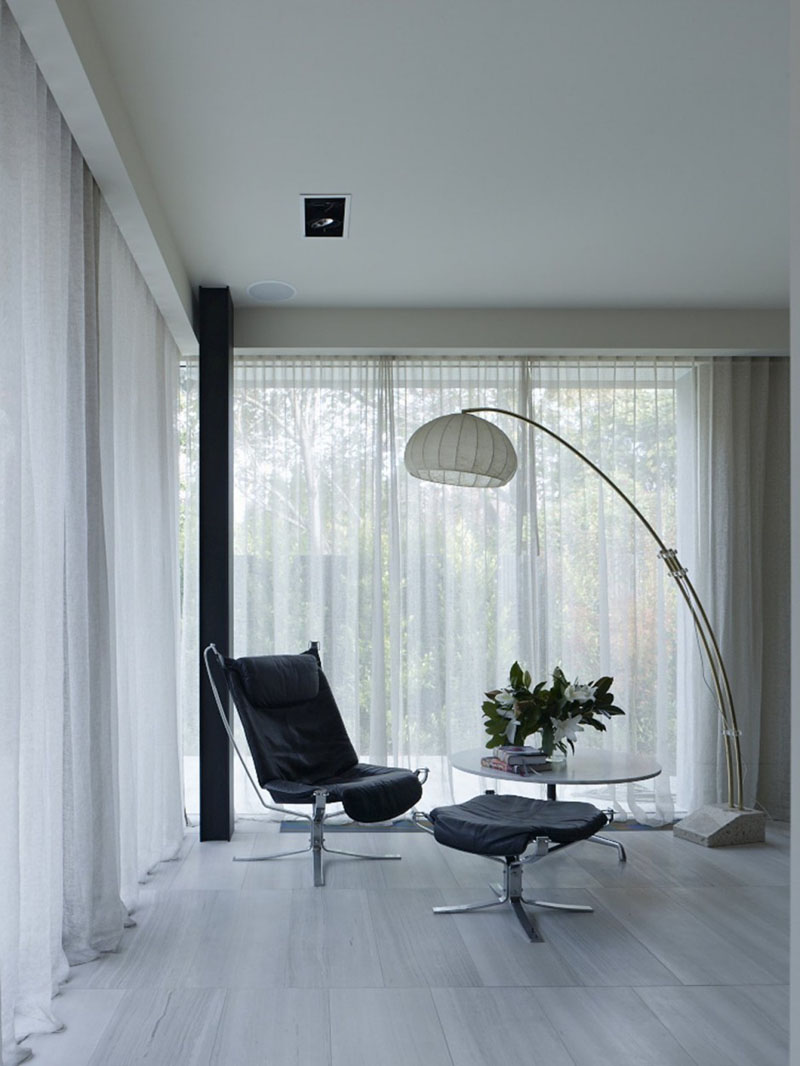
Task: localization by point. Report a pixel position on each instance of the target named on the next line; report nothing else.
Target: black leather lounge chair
(301, 750)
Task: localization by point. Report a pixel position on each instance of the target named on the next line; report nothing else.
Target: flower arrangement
(557, 713)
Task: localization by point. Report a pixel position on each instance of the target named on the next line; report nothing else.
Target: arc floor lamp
(462, 449)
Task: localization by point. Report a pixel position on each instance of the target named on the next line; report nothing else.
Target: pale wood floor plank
(416, 946)
(422, 864)
(246, 944)
(161, 1026)
(210, 865)
(755, 919)
(389, 1027)
(724, 1026)
(612, 1025)
(660, 858)
(287, 1027)
(687, 946)
(598, 947)
(504, 956)
(332, 943)
(157, 953)
(491, 1025)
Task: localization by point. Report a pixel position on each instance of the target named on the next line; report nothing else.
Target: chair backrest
(293, 727)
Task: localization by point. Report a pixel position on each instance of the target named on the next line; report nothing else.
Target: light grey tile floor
(684, 961)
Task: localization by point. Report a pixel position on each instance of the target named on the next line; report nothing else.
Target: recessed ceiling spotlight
(325, 216)
(271, 292)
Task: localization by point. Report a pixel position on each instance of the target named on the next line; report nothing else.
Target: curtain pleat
(733, 541)
(89, 765)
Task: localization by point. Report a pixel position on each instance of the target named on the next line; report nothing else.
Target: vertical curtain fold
(735, 487)
(87, 539)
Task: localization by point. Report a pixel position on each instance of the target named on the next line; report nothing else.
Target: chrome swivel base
(316, 843)
(511, 892)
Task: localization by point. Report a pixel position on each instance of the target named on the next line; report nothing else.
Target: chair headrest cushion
(278, 680)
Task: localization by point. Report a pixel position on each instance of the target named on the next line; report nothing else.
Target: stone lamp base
(720, 826)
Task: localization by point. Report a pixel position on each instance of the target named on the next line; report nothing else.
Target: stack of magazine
(515, 759)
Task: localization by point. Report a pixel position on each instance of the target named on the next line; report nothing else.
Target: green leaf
(602, 686)
(515, 675)
(599, 726)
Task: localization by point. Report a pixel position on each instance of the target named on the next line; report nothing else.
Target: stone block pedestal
(719, 826)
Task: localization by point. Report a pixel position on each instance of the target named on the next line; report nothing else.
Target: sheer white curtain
(421, 595)
(734, 521)
(89, 769)
(139, 386)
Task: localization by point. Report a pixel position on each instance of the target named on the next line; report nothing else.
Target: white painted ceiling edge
(65, 44)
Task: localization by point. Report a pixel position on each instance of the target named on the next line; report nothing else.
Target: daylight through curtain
(421, 595)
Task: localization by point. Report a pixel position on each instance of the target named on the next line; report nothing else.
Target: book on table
(519, 755)
(516, 759)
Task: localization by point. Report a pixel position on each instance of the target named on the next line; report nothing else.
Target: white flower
(507, 708)
(578, 693)
(511, 730)
(568, 729)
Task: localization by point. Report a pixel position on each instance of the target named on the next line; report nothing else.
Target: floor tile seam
(740, 985)
(669, 1032)
(708, 923)
(441, 1023)
(628, 927)
(329, 1047)
(634, 990)
(437, 892)
(675, 891)
(777, 983)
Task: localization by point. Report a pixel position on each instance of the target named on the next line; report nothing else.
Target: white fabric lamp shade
(461, 449)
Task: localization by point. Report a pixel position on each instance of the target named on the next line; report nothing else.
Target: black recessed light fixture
(325, 216)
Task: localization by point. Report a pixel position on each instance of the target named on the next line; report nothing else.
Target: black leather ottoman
(502, 828)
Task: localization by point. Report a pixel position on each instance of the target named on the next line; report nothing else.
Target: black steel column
(216, 493)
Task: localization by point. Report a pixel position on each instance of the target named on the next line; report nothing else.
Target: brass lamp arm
(705, 632)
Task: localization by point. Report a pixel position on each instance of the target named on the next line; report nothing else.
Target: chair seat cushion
(506, 825)
(367, 793)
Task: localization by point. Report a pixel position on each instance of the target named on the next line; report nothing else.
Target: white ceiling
(613, 155)
(515, 153)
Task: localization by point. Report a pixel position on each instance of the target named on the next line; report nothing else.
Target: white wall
(511, 329)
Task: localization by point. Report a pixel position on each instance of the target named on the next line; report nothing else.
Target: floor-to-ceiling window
(422, 596)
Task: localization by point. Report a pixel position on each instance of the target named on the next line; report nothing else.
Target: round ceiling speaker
(271, 292)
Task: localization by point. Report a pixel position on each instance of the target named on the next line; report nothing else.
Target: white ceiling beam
(68, 51)
(515, 329)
